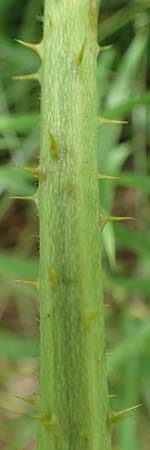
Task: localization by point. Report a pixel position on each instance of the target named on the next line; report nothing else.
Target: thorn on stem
(50, 21)
(28, 283)
(35, 171)
(104, 220)
(81, 54)
(118, 416)
(55, 149)
(37, 48)
(52, 277)
(26, 197)
(103, 48)
(25, 77)
(27, 400)
(104, 121)
(47, 421)
(101, 176)
(70, 186)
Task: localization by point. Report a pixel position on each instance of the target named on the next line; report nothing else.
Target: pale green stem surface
(73, 377)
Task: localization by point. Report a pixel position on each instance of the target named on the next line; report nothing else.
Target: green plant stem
(73, 378)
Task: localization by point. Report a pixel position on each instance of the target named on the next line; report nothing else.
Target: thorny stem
(73, 377)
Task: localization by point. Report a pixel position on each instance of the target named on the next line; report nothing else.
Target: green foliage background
(123, 76)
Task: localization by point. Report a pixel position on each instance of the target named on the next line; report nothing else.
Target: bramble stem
(73, 377)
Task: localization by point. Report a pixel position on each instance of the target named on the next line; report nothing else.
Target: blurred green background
(123, 78)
